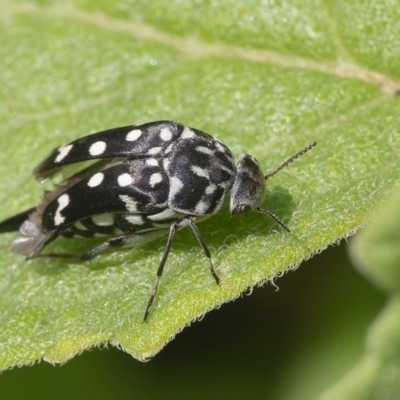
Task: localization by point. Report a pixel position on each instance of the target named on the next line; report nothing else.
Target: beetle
(143, 182)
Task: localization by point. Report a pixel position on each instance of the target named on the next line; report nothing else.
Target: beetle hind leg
(135, 239)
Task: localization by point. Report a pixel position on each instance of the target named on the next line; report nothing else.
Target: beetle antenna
(273, 217)
(290, 160)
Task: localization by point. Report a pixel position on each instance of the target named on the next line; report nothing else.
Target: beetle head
(248, 190)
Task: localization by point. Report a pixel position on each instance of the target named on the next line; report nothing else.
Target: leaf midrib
(345, 67)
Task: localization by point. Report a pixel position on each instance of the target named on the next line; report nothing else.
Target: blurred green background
(286, 344)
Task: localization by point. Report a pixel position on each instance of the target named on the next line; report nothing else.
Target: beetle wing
(132, 186)
(136, 141)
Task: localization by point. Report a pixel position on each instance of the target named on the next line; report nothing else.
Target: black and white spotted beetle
(144, 182)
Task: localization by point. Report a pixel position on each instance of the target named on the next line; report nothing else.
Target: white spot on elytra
(155, 178)
(133, 135)
(103, 220)
(124, 180)
(63, 152)
(201, 207)
(154, 150)
(166, 163)
(219, 146)
(166, 214)
(63, 201)
(205, 150)
(218, 204)
(152, 162)
(187, 133)
(226, 184)
(210, 189)
(200, 171)
(169, 148)
(97, 148)
(130, 203)
(135, 219)
(165, 134)
(96, 179)
(175, 185)
(230, 171)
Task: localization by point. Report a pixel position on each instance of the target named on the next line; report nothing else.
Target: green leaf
(375, 252)
(265, 79)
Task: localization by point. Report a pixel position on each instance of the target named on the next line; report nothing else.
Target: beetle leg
(175, 226)
(135, 239)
